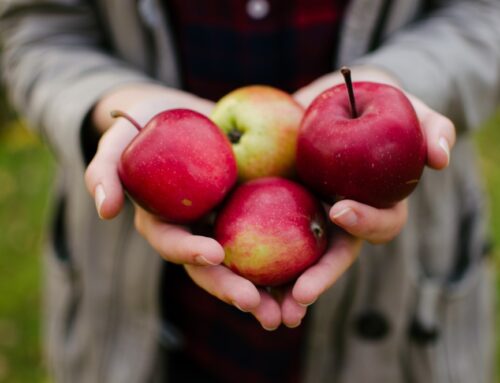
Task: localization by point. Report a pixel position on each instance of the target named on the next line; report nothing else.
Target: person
(411, 304)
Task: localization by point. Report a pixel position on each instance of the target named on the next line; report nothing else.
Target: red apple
(271, 229)
(262, 123)
(179, 167)
(371, 150)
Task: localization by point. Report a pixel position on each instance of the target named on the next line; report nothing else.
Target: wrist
(359, 73)
(143, 101)
(375, 74)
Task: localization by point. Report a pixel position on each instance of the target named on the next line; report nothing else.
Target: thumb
(101, 176)
(439, 132)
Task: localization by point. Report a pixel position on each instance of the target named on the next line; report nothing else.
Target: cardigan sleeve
(55, 67)
(450, 59)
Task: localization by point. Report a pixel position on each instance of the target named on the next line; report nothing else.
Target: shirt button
(423, 334)
(258, 9)
(371, 325)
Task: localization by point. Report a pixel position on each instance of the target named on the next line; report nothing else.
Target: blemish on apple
(187, 202)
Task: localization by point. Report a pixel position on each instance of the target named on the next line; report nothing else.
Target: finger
(101, 176)
(268, 312)
(222, 283)
(292, 312)
(439, 133)
(225, 285)
(319, 277)
(175, 243)
(369, 223)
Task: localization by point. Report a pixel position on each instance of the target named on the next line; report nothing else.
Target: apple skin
(376, 158)
(262, 123)
(179, 166)
(271, 229)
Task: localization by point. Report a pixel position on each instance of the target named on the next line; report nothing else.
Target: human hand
(359, 221)
(142, 102)
(381, 225)
(201, 257)
(199, 254)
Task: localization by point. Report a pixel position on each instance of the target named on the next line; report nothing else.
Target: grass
(26, 171)
(488, 142)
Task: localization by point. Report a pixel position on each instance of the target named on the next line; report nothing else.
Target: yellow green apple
(262, 124)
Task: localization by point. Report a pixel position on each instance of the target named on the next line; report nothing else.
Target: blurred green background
(26, 171)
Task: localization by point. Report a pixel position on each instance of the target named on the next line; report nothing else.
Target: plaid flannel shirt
(222, 45)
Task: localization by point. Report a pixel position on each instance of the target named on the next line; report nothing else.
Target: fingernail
(294, 325)
(204, 261)
(100, 196)
(306, 304)
(345, 217)
(238, 307)
(269, 328)
(443, 143)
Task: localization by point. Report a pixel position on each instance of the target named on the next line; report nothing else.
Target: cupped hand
(141, 102)
(200, 255)
(357, 221)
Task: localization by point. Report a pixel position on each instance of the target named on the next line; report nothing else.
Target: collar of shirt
(225, 44)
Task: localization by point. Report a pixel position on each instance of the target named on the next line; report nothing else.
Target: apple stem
(119, 113)
(346, 72)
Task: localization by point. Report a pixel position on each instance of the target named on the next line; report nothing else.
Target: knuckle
(138, 222)
(446, 123)
(89, 174)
